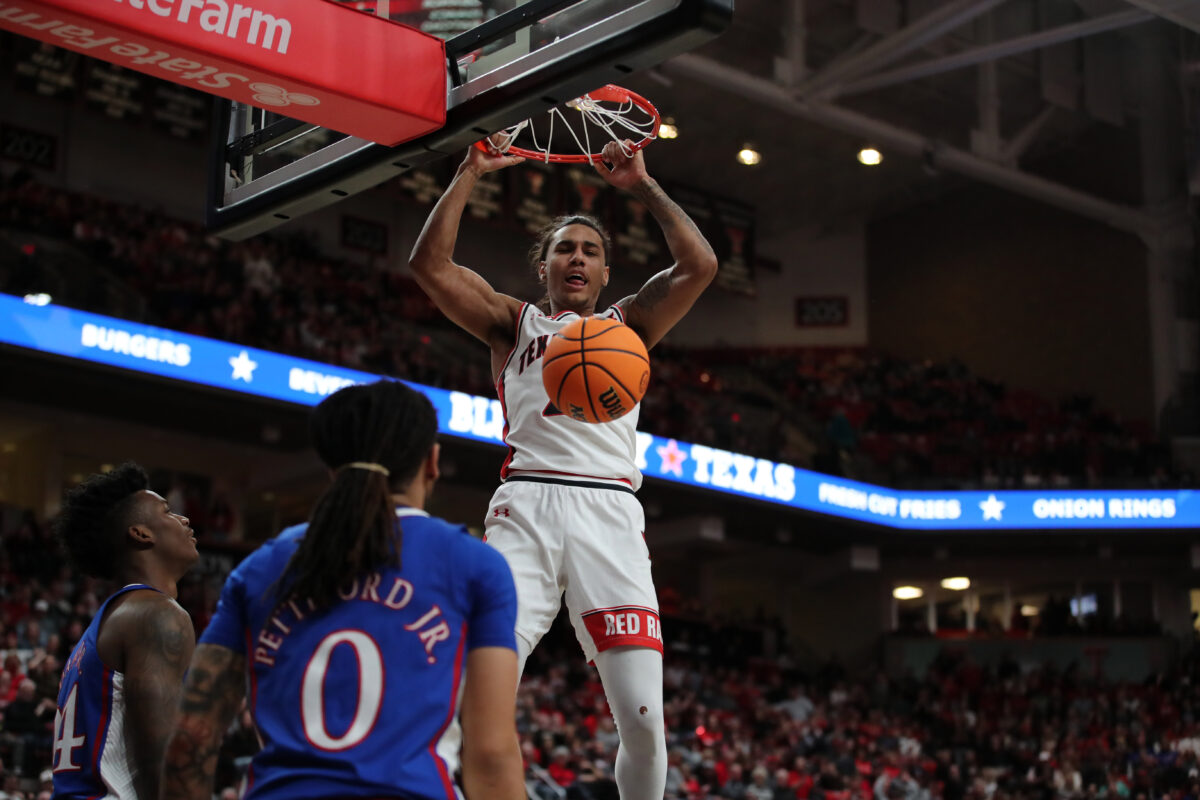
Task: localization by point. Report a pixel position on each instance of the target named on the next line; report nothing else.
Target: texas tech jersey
(543, 440)
(89, 757)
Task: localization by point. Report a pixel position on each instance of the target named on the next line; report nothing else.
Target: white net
(591, 121)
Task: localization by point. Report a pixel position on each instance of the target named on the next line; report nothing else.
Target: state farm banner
(313, 60)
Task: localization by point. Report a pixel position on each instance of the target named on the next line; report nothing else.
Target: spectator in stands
(895, 785)
(735, 785)
(13, 668)
(10, 788)
(759, 788)
(560, 768)
(797, 706)
(594, 782)
(45, 670)
(27, 726)
(781, 786)
(30, 635)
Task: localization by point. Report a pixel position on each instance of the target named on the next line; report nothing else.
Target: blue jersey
(89, 758)
(361, 699)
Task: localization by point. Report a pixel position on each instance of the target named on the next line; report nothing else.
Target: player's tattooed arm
(674, 221)
(670, 294)
(160, 640)
(212, 695)
(654, 292)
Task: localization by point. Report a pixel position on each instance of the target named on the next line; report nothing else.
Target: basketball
(595, 370)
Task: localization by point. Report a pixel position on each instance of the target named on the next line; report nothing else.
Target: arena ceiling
(1042, 97)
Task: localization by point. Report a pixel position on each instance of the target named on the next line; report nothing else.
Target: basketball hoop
(609, 113)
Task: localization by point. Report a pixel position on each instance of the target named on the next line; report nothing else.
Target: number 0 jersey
(89, 757)
(541, 439)
(361, 699)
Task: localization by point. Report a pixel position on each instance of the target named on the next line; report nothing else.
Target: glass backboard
(505, 61)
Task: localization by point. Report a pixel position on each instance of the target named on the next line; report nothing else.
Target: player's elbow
(485, 764)
(706, 267)
(492, 752)
(493, 770)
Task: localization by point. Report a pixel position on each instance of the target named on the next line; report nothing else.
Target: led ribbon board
(312, 60)
(195, 359)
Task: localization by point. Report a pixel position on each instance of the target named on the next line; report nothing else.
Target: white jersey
(542, 440)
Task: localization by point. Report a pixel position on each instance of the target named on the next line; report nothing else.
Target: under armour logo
(500, 512)
(268, 94)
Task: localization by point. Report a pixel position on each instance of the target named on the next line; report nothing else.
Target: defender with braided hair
(362, 634)
(120, 687)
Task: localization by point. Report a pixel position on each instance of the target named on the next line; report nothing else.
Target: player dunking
(566, 517)
(120, 688)
(361, 634)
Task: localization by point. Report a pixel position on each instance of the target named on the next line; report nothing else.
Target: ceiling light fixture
(907, 592)
(748, 155)
(956, 584)
(870, 156)
(667, 129)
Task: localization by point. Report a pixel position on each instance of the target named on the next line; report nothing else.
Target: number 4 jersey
(361, 699)
(89, 757)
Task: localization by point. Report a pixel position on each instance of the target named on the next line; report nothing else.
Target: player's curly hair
(541, 244)
(95, 516)
(353, 529)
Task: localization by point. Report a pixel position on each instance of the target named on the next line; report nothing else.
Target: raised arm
(670, 294)
(462, 294)
(215, 688)
(158, 639)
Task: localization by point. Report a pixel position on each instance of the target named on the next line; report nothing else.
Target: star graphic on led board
(243, 367)
(992, 508)
(672, 458)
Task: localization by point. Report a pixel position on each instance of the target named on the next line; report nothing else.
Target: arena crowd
(852, 412)
(744, 720)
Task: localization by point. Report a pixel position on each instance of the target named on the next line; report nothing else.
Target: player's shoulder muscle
(145, 620)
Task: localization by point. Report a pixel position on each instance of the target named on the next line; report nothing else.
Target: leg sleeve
(633, 683)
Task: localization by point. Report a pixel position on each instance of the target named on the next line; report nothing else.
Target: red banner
(313, 60)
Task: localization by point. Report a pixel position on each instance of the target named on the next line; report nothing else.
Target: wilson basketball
(595, 370)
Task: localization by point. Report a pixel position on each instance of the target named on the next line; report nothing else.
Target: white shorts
(584, 541)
